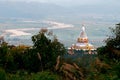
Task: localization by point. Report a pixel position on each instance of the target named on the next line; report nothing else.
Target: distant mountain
(29, 10)
(43, 10)
(100, 9)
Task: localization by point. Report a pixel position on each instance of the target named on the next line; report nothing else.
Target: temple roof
(83, 44)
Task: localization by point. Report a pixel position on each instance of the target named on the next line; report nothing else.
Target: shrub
(2, 74)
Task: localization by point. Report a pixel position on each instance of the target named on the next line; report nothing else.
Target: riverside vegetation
(44, 60)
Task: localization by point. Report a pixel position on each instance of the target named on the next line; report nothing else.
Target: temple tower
(83, 36)
(82, 42)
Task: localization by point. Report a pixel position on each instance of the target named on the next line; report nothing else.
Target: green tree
(18, 52)
(31, 61)
(114, 40)
(110, 54)
(48, 48)
(6, 58)
(3, 53)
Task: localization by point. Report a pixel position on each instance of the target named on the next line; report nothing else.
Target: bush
(46, 75)
(31, 61)
(2, 74)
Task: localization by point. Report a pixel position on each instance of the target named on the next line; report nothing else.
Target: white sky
(75, 2)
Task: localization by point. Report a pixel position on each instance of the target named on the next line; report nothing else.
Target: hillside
(41, 10)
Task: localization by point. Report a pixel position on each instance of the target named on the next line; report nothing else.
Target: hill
(42, 10)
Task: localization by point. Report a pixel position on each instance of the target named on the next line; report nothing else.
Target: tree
(31, 61)
(47, 47)
(110, 53)
(114, 40)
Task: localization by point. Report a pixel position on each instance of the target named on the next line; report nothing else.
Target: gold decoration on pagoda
(82, 42)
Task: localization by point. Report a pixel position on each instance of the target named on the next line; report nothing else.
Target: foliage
(111, 52)
(31, 61)
(46, 75)
(2, 74)
(47, 49)
(22, 75)
(110, 55)
(114, 40)
(3, 53)
(42, 55)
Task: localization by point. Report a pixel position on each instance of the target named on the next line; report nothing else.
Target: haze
(75, 2)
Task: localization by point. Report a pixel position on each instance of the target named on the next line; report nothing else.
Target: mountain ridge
(42, 10)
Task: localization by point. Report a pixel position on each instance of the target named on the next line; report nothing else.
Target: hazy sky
(76, 2)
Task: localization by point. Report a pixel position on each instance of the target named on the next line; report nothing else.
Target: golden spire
(83, 36)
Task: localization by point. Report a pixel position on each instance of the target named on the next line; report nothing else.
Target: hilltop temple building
(82, 42)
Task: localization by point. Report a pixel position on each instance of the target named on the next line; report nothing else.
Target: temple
(82, 42)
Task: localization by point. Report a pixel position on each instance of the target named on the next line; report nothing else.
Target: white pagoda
(82, 42)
